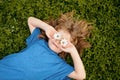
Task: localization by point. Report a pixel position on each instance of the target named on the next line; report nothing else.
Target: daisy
(57, 36)
(64, 42)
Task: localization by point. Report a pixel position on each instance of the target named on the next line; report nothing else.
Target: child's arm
(79, 72)
(34, 22)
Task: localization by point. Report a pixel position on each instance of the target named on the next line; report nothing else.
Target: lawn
(102, 60)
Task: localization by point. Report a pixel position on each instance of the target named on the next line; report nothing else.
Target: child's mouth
(55, 45)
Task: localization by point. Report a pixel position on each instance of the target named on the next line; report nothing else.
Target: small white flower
(64, 42)
(57, 36)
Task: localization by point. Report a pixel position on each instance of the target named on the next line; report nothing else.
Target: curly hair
(78, 29)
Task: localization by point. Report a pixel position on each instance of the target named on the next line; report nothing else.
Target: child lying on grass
(46, 46)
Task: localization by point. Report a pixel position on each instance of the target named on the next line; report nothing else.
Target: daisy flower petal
(57, 36)
(64, 42)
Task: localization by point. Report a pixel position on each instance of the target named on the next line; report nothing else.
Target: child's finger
(68, 45)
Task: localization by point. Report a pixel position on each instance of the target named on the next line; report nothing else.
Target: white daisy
(64, 42)
(57, 36)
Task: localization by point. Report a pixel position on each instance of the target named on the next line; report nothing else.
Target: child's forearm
(38, 23)
(78, 64)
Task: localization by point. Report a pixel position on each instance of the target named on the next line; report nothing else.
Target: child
(40, 60)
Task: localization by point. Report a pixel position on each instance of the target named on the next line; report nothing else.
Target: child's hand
(50, 32)
(69, 48)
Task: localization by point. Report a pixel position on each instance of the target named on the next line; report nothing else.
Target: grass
(102, 60)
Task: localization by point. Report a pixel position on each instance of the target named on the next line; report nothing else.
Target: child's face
(54, 44)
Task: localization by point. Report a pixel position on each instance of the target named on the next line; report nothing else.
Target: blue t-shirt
(36, 62)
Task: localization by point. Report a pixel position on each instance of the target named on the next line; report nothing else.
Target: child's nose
(57, 41)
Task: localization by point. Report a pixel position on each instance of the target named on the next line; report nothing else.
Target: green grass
(102, 60)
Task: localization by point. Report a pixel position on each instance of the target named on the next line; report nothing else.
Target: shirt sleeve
(65, 70)
(61, 71)
(33, 37)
